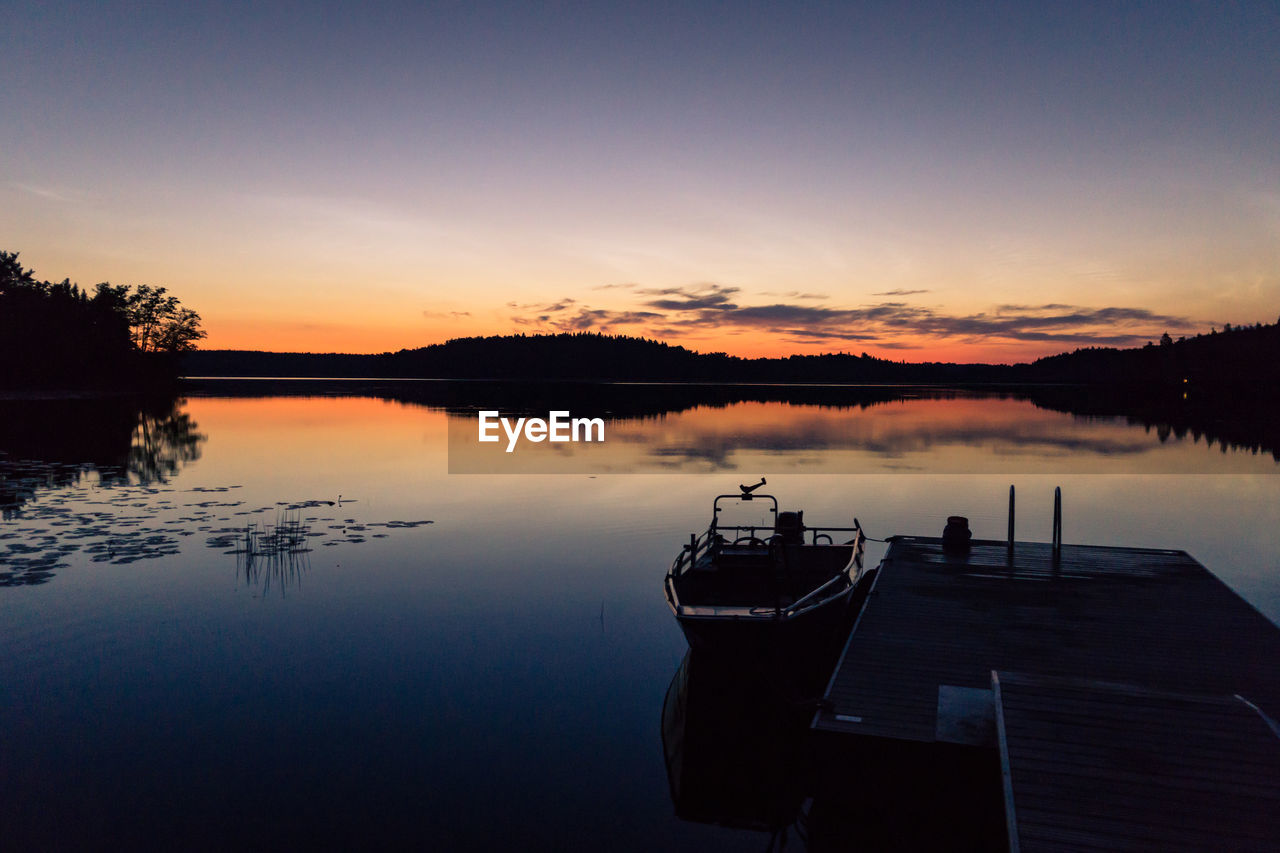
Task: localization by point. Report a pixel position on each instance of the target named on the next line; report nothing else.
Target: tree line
(588, 356)
(59, 334)
(1243, 356)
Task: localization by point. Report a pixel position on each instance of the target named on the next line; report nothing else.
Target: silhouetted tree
(159, 323)
(57, 334)
(12, 275)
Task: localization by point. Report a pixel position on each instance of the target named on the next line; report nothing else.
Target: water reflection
(1247, 425)
(50, 450)
(492, 680)
(93, 481)
(163, 441)
(927, 433)
(276, 553)
(739, 754)
(734, 750)
(703, 427)
(52, 444)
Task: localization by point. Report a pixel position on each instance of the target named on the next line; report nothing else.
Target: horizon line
(692, 351)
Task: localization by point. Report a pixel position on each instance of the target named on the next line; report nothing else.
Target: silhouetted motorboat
(763, 585)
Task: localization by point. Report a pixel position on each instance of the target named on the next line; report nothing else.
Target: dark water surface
(205, 648)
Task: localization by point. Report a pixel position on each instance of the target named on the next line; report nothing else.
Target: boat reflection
(736, 738)
(740, 754)
(735, 746)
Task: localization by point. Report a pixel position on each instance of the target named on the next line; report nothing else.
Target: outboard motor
(790, 527)
(956, 535)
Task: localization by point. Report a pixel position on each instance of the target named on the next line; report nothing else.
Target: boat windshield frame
(744, 497)
(711, 538)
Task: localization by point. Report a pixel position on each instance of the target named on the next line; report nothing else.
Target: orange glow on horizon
(346, 338)
(398, 304)
(328, 337)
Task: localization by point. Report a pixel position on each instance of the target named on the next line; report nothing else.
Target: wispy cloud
(899, 292)
(711, 296)
(828, 335)
(45, 192)
(598, 318)
(795, 294)
(544, 307)
(565, 315)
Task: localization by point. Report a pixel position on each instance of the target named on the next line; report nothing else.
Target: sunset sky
(985, 181)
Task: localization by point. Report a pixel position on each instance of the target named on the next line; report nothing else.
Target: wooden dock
(1087, 763)
(1079, 672)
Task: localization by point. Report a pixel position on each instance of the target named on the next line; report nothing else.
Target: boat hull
(766, 634)
(733, 592)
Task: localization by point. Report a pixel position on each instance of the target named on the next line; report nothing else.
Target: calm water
(496, 676)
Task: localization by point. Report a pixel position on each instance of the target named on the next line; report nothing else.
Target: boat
(767, 586)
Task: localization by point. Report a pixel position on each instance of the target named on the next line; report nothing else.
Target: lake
(267, 614)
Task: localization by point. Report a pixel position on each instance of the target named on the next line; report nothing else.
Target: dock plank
(1220, 792)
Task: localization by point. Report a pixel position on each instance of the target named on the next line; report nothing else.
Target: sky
(919, 181)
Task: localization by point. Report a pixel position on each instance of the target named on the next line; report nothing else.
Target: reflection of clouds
(928, 430)
(711, 452)
(1008, 429)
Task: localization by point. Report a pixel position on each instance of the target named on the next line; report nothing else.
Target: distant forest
(58, 335)
(1234, 358)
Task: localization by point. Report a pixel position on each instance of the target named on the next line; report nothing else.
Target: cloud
(899, 292)
(562, 305)
(828, 335)
(1066, 324)
(545, 307)
(593, 318)
(674, 312)
(589, 319)
(710, 296)
(45, 192)
(795, 294)
(438, 315)
(814, 317)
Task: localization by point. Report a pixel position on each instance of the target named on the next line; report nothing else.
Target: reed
(274, 552)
